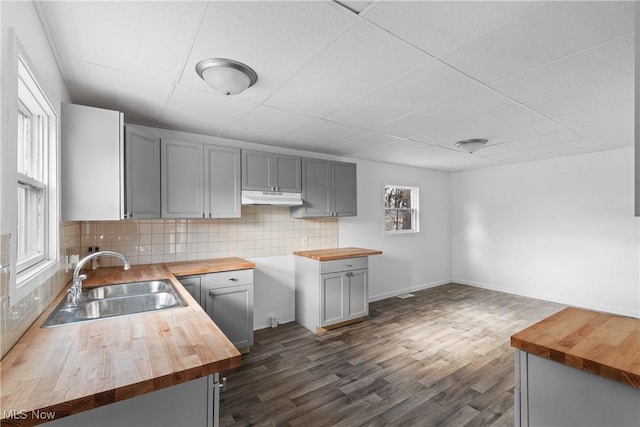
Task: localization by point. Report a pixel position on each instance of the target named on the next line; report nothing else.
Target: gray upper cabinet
(200, 180)
(142, 174)
(182, 179)
(263, 171)
(328, 189)
(91, 159)
(222, 182)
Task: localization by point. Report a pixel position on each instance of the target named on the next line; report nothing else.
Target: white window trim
(415, 201)
(22, 284)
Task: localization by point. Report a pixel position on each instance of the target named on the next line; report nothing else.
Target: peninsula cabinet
(199, 180)
(262, 171)
(91, 159)
(142, 174)
(330, 293)
(328, 189)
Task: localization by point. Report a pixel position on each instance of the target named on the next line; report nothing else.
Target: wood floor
(441, 358)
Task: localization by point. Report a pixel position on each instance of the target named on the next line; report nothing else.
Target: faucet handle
(81, 277)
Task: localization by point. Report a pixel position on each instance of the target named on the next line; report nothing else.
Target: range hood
(271, 198)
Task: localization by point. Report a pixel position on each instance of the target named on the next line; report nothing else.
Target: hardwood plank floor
(441, 358)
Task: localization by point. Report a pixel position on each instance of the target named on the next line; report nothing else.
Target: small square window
(400, 209)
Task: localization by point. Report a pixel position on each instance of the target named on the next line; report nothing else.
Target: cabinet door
(222, 182)
(231, 308)
(142, 174)
(257, 170)
(316, 189)
(182, 179)
(91, 164)
(193, 285)
(344, 189)
(287, 173)
(332, 298)
(357, 304)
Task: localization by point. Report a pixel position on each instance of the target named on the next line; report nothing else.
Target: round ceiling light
(226, 76)
(471, 145)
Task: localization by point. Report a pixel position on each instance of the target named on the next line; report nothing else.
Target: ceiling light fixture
(471, 145)
(226, 76)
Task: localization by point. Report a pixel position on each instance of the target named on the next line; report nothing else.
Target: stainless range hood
(271, 198)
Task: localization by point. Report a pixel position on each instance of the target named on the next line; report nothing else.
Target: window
(400, 209)
(33, 142)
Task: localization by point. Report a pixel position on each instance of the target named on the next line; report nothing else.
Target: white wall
(408, 262)
(561, 230)
(273, 290)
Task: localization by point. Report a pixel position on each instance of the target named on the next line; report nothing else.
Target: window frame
(32, 273)
(414, 209)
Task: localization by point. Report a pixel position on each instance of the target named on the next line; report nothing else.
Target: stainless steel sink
(117, 300)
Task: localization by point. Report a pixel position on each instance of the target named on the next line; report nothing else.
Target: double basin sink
(117, 300)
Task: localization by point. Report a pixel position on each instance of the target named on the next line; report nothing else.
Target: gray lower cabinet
(328, 189)
(227, 297)
(549, 393)
(194, 403)
(193, 285)
(262, 171)
(331, 292)
(141, 175)
(199, 180)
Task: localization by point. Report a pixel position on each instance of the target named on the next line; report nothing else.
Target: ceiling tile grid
(397, 82)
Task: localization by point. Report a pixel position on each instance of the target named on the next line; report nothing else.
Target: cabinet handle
(223, 384)
(202, 214)
(233, 279)
(348, 265)
(209, 214)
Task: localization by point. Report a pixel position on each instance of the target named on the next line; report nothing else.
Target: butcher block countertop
(599, 343)
(76, 367)
(338, 253)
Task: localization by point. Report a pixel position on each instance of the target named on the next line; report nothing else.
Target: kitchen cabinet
(328, 189)
(142, 174)
(193, 403)
(199, 180)
(331, 292)
(262, 171)
(91, 163)
(549, 393)
(193, 285)
(227, 297)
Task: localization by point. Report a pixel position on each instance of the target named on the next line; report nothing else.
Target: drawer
(229, 278)
(343, 264)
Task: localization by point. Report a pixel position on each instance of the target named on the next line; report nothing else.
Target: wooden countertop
(74, 368)
(337, 253)
(602, 344)
(187, 268)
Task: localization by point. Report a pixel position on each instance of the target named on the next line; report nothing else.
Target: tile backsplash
(261, 231)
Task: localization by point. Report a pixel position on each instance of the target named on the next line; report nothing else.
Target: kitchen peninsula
(56, 372)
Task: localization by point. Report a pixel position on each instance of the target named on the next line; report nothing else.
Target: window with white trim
(33, 137)
(400, 209)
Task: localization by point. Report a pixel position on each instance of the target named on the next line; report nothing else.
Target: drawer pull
(348, 265)
(233, 279)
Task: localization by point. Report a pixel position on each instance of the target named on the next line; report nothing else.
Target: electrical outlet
(275, 321)
(305, 241)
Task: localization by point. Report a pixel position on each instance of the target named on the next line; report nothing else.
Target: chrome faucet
(75, 293)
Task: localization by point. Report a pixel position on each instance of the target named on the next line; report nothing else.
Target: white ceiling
(389, 81)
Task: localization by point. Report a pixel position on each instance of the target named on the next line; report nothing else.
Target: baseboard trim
(395, 293)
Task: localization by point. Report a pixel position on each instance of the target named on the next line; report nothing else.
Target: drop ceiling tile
(264, 125)
(361, 60)
(202, 112)
(399, 152)
(610, 135)
(317, 135)
(451, 114)
(588, 97)
(437, 27)
(544, 35)
(424, 87)
(273, 38)
(140, 99)
(600, 114)
(453, 162)
(527, 143)
(361, 141)
(546, 152)
(146, 38)
(605, 62)
(356, 6)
